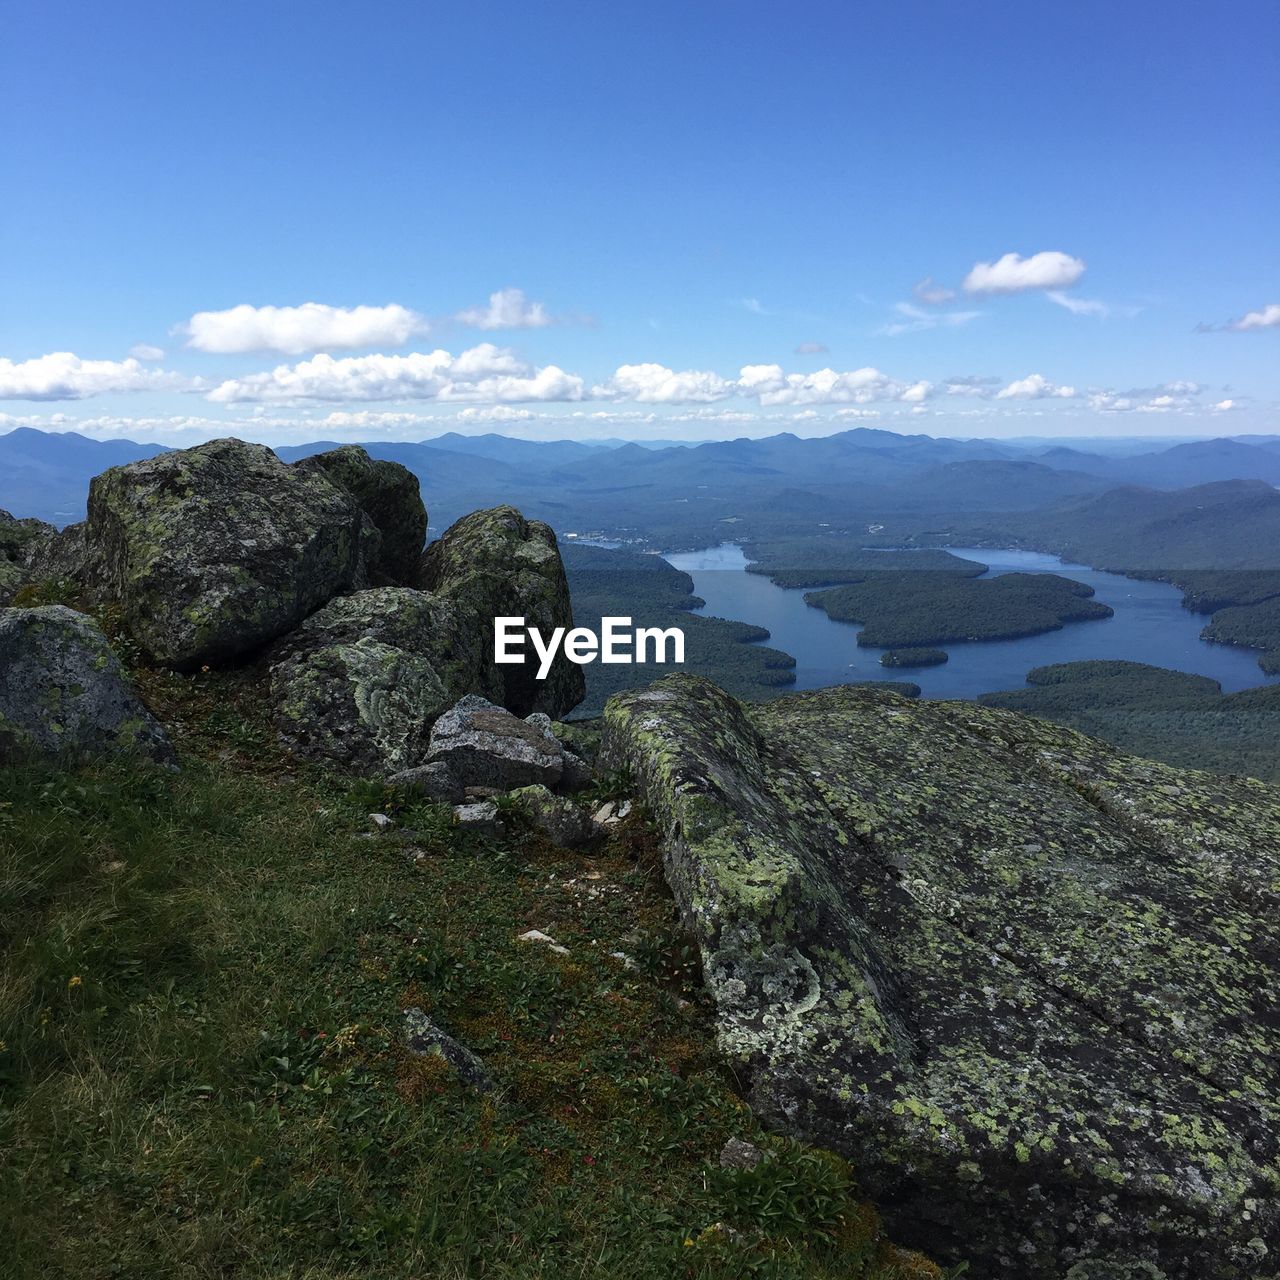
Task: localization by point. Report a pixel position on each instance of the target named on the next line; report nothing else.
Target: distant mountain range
(687, 492)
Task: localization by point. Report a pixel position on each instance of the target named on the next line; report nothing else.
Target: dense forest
(608, 583)
(913, 657)
(1150, 711)
(917, 609)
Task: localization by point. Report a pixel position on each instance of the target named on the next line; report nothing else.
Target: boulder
(559, 819)
(1026, 984)
(389, 495)
(436, 782)
(17, 538)
(212, 552)
(496, 563)
(63, 692)
(487, 746)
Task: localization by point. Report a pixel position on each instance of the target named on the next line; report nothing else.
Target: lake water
(1150, 625)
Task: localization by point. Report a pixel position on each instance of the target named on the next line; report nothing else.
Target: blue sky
(699, 219)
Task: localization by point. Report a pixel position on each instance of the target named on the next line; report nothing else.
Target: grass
(202, 1072)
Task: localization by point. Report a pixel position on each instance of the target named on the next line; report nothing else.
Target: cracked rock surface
(1026, 983)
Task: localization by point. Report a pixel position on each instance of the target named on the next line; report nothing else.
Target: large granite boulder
(212, 552)
(1028, 985)
(389, 495)
(360, 683)
(496, 563)
(63, 693)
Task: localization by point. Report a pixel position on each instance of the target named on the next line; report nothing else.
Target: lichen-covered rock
(495, 563)
(424, 1039)
(486, 746)
(212, 552)
(389, 494)
(17, 538)
(1028, 985)
(63, 692)
(361, 682)
(561, 820)
(435, 781)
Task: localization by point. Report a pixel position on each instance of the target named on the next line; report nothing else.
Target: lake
(1150, 625)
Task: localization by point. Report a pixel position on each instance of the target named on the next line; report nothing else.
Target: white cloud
(507, 309)
(1266, 318)
(313, 326)
(656, 384)
(772, 386)
(1034, 387)
(482, 373)
(1226, 406)
(495, 413)
(811, 349)
(1178, 396)
(145, 351)
(933, 294)
(915, 320)
(63, 376)
(1079, 306)
(754, 305)
(1016, 274)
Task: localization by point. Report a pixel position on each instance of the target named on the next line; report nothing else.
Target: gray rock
(364, 705)
(577, 774)
(494, 563)
(558, 818)
(482, 817)
(424, 1038)
(739, 1154)
(1026, 984)
(436, 781)
(212, 552)
(389, 495)
(63, 692)
(486, 746)
(18, 538)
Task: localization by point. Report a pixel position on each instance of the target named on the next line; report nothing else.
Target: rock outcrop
(63, 693)
(1028, 985)
(495, 563)
(388, 494)
(16, 540)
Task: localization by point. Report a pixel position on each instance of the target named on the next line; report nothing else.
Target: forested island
(1151, 711)
(917, 609)
(913, 657)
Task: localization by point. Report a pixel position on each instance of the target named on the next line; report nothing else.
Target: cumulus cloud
(914, 320)
(1226, 406)
(1035, 387)
(1178, 396)
(145, 351)
(313, 326)
(1079, 306)
(811, 349)
(932, 294)
(1267, 317)
(1015, 274)
(771, 386)
(63, 376)
(656, 384)
(482, 373)
(507, 309)
(495, 413)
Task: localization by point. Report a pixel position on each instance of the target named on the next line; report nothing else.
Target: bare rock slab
(1028, 985)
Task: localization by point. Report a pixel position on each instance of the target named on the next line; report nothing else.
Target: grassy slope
(201, 1072)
